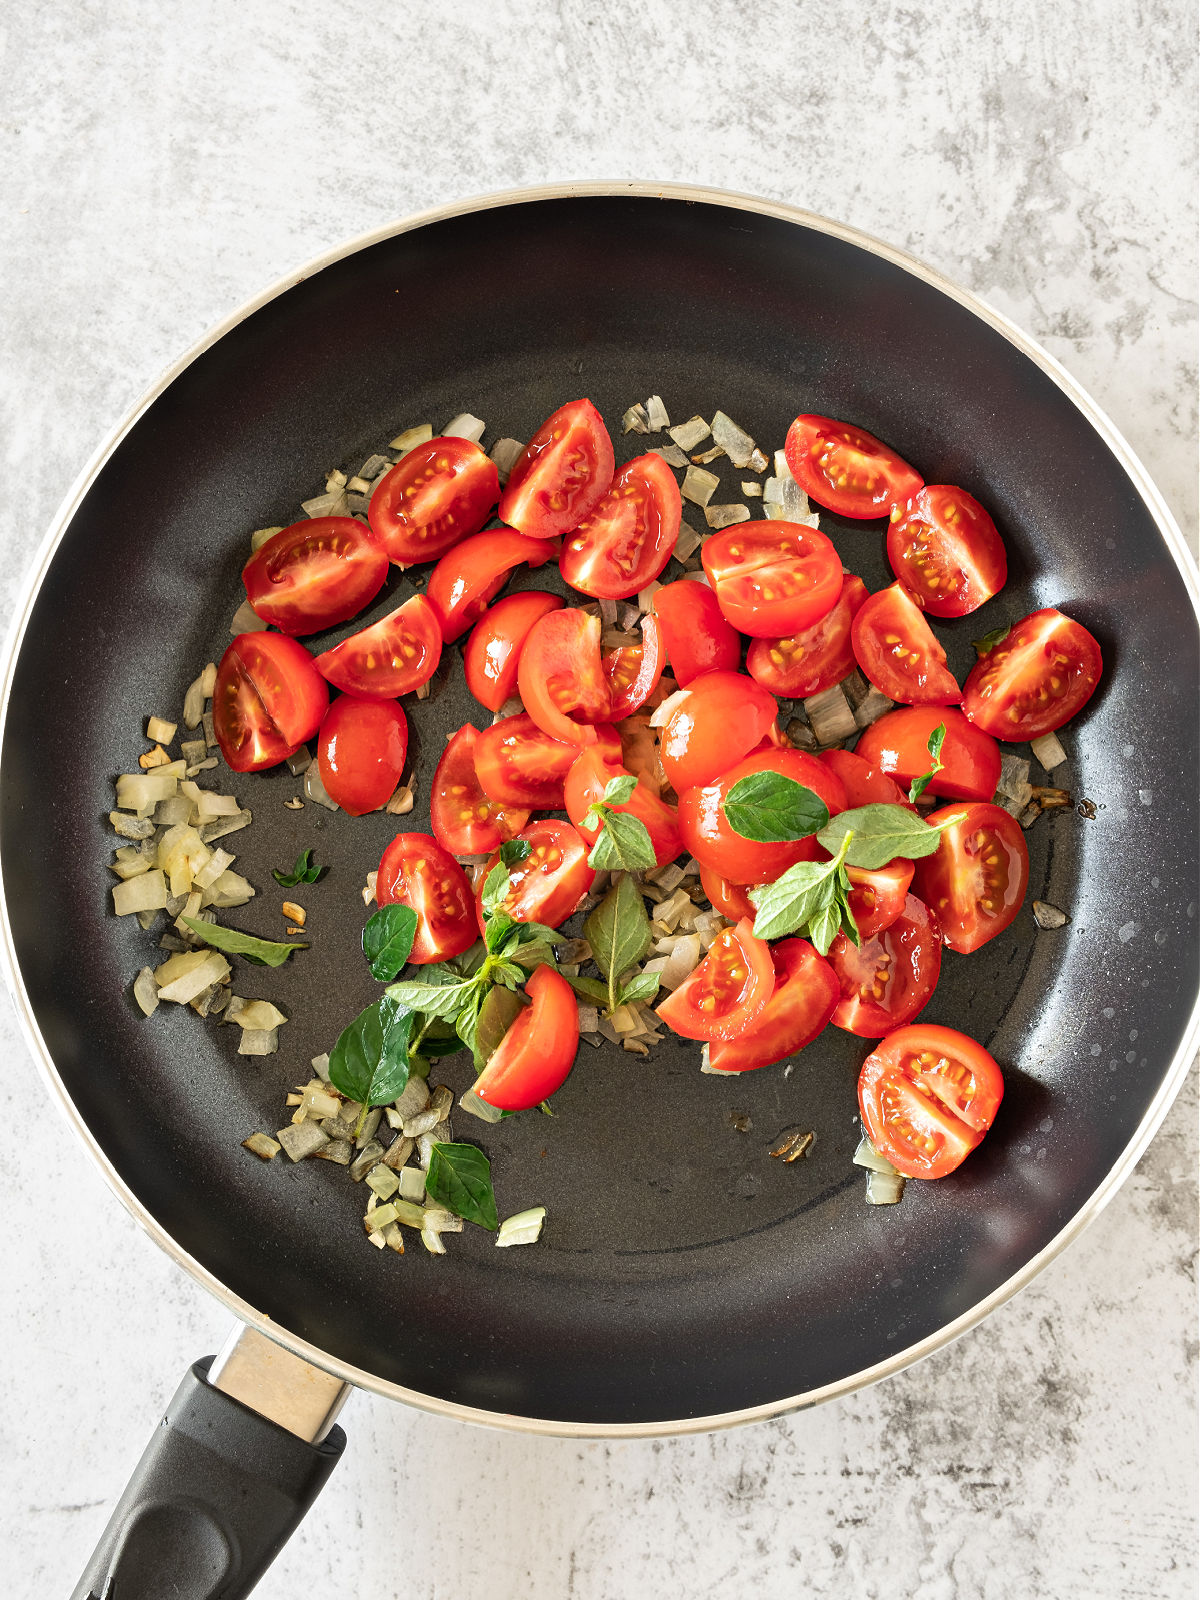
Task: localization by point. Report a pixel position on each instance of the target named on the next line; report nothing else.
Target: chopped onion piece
(688, 541)
(336, 479)
(142, 791)
(736, 442)
(258, 1042)
(757, 462)
(589, 1018)
(330, 504)
(1048, 916)
(872, 708)
(682, 961)
(257, 539)
(400, 1149)
(751, 489)
(213, 868)
(230, 889)
(302, 1139)
(145, 992)
(262, 1145)
(687, 435)
(635, 419)
(698, 486)
(464, 426)
(645, 598)
(867, 1156)
(831, 717)
(411, 1184)
(129, 862)
(261, 1015)
(505, 453)
(209, 831)
(401, 802)
(368, 893)
(671, 454)
(159, 731)
(663, 712)
(193, 703)
(381, 1180)
(316, 790)
(320, 1065)
(146, 892)
(884, 1188)
(439, 1220)
(131, 827)
(523, 1228)
(299, 761)
(470, 1102)
(414, 1097)
(411, 438)
(181, 978)
(656, 414)
(1048, 751)
(432, 1240)
(246, 620)
(725, 516)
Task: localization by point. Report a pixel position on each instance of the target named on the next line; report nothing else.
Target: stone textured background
(161, 164)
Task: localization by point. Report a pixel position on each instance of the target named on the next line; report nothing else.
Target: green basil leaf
(514, 850)
(824, 927)
(500, 1009)
(387, 940)
(881, 834)
(590, 988)
(991, 640)
(438, 1043)
(303, 872)
(618, 791)
(849, 926)
(263, 952)
(369, 1062)
(531, 956)
(934, 745)
(800, 894)
(495, 887)
(510, 973)
(438, 998)
(771, 809)
(466, 1023)
(618, 930)
(460, 1178)
(465, 965)
(622, 845)
(642, 986)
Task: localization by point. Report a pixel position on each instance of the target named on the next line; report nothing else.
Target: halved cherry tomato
(865, 785)
(946, 551)
(269, 698)
(314, 574)
(465, 821)
(716, 720)
(537, 1053)
(415, 871)
(627, 540)
(928, 1095)
(696, 636)
(561, 475)
(890, 978)
(772, 579)
(707, 834)
(898, 744)
(491, 654)
(467, 577)
(560, 677)
(727, 991)
(808, 663)
(975, 882)
(801, 1003)
(519, 765)
(731, 899)
(551, 881)
(593, 769)
(846, 469)
(633, 670)
(877, 896)
(360, 752)
(439, 494)
(1041, 673)
(391, 657)
(897, 650)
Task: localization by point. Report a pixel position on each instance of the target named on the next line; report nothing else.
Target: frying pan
(685, 1280)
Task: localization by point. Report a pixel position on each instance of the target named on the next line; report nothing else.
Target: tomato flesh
(360, 752)
(561, 475)
(877, 896)
(800, 1004)
(627, 540)
(417, 872)
(1038, 676)
(633, 671)
(519, 765)
(470, 574)
(314, 574)
(536, 1055)
(891, 977)
(898, 746)
(772, 579)
(899, 653)
(846, 469)
(975, 882)
(464, 820)
(718, 719)
(391, 657)
(946, 551)
(439, 494)
(928, 1095)
(696, 636)
(593, 769)
(561, 678)
(552, 879)
(268, 699)
(810, 662)
(491, 654)
(727, 991)
(864, 784)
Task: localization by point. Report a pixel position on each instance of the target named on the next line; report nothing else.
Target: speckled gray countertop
(162, 164)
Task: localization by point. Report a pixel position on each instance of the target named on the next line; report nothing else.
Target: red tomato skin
(943, 1078)
(897, 745)
(627, 540)
(519, 765)
(808, 663)
(773, 579)
(887, 631)
(550, 882)
(405, 647)
(491, 654)
(914, 947)
(865, 785)
(416, 871)
(734, 948)
(464, 820)
(562, 474)
(946, 551)
(708, 836)
(592, 770)
(633, 671)
(561, 679)
(877, 897)
(957, 882)
(696, 636)
(1011, 692)
(724, 717)
(731, 899)
(438, 495)
(812, 439)
(801, 1003)
(360, 752)
(469, 575)
(314, 574)
(536, 1055)
(273, 678)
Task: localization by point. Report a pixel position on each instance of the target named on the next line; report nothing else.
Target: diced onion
(261, 1015)
(1048, 916)
(867, 1156)
(471, 1103)
(830, 715)
(884, 1188)
(506, 453)
(872, 708)
(181, 978)
(725, 516)
(146, 892)
(656, 414)
(257, 539)
(635, 420)
(258, 1042)
(145, 992)
(411, 438)
(751, 490)
(246, 620)
(736, 442)
(523, 1228)
(682, 961)
(314, 789)
(464, 426)
(687, 435)
(331, 504)
(671, 454)
(698, 485)
(1048, 751)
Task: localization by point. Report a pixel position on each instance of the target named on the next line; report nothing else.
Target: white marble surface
(161, 164)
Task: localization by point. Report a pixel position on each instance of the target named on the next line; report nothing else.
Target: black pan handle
(244, 1449)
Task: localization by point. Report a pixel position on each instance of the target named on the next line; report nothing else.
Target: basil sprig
(262, 952)
(769, 808)
(811, 898)
(623, 843)
(876, 834)
(618, 931)
(991, 640)
(305, 871)
(387, 940)
(460, 1178)
(370, 1061)
(934, 745)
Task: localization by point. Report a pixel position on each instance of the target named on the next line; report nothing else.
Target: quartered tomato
(519, 765)
(727, 991)
(877, 896)
(772, 579)
(360, 752)
(865, 785)
(552, 879)
(696, 636)
(440, 493)
(465, 579)
(898, 745)
(1042, 672)
(633, 670)
(491, 654)
(465, 821)
(718, 719)
(268, 699)
(975, 882)
(391, 657)
(627, 540)
(593, 769)
(537, 1053)
(708, 835)
(946, 551)
(415, 871)
(846, 469)
(731, 899)
(887, 980)
(560, 677)
(314, 574)
(897, 650)
(808, 663)
(927, 1096)
(561, 475)
(801, 1003)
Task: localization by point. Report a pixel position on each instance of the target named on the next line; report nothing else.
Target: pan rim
(553, 1427)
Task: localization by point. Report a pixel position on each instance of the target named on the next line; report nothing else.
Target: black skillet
(685, 1279)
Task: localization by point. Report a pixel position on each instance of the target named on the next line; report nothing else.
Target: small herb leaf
(369, 1062)
(387, 941)
(436, 997)
(263, 952)
(618, 930)
(881, 833)
(936, 740)
(460, 1178)
(991, 640)
(499, 1011)
(623, 843)
(769, 808)
(303, 872)
(618, 791)
(514, 850)
(642, 986)
(590, 988)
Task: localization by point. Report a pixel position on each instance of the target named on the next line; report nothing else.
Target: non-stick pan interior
(683, 1271)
